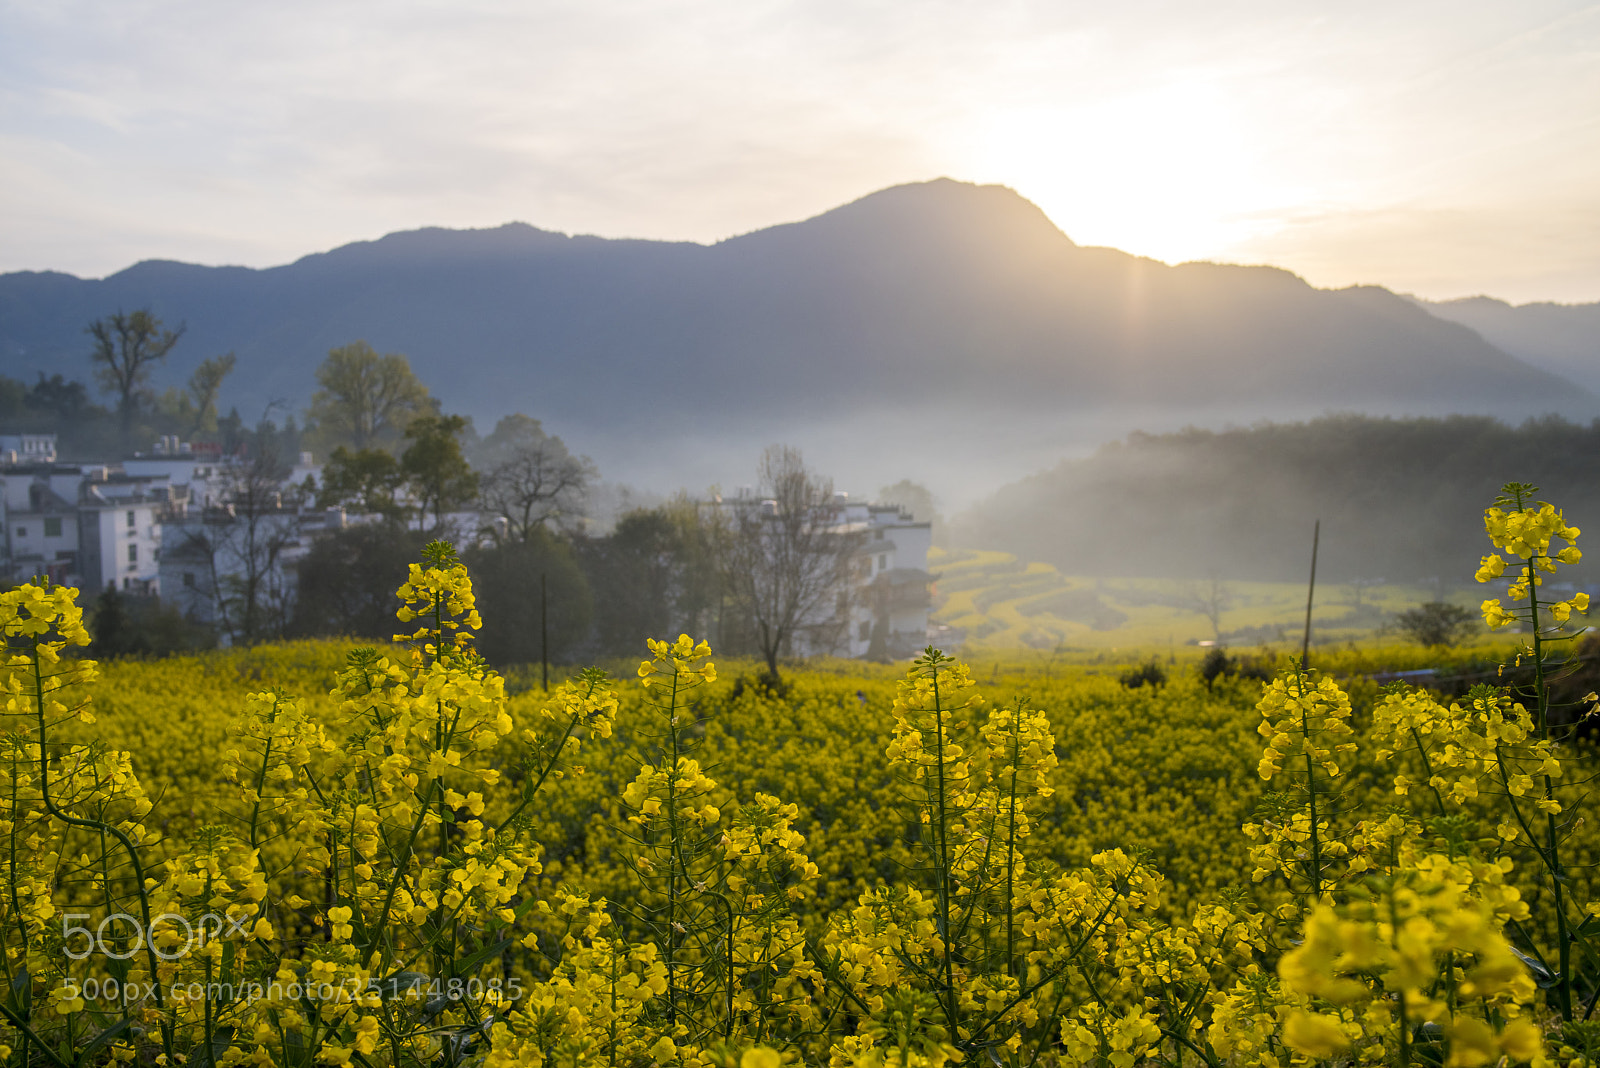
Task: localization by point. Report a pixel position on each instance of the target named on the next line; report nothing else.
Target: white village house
(133, 526)
(893, 593)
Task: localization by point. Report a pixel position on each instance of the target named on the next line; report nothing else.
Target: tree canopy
(365, 400)
(126, 349)
(367, 480)
(435, 469)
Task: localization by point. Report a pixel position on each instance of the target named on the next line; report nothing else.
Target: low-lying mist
(1400, 499)
(964, 454)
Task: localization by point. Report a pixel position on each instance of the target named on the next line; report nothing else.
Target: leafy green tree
(57, 397)
(703, 602)
(659, 572)
(367, 479)
(204, 385)
(507, 580)
(347, 581)
(174, 409)
(126, 349)
(364, 400)
(114, 634)
(633, 573)
(135, 625)
(435, 468)
(13, 397)
(1437, 623)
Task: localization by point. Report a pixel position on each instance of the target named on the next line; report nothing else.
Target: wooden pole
(544, 636)
(1311, 590)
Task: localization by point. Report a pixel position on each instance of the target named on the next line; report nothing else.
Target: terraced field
(995, 601)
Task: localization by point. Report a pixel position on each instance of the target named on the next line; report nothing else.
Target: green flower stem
(152, 961)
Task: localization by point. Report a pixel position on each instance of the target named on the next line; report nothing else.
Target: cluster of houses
(137, 525)
(169, 523)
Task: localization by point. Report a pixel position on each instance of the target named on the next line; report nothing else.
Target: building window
(130, 520)
(52, 527)
(866, 630)
(133, 553)
(22, 532)
(188, 579)
(883, 561)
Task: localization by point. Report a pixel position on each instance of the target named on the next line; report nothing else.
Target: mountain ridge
(1564, 338)
(919, 304)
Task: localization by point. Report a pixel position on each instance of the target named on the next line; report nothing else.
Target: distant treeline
(86, 431)
(1399, 499)
(589, 596)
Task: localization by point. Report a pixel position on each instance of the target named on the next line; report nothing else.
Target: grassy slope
(1005, 604)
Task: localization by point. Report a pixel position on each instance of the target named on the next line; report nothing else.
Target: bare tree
(1210, 599)
(1360, 584)
(126, 347)
(239, 545)
(786, 558)
(531, 479)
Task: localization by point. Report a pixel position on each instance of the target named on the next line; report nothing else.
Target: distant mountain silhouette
(940, 296)
(1562, 338)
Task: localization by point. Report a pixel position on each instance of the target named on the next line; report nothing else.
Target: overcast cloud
(1440, 148)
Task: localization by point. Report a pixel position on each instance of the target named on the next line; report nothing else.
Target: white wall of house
(890, 600)
(121, 543)
(39, 513)
(203, 559)
(43, 542)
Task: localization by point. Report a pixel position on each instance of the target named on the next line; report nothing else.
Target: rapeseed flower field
(308, 854)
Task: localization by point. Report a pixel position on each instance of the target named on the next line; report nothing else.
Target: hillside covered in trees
(1400, 499)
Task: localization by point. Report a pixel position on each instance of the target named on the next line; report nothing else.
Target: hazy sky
(1445, 148)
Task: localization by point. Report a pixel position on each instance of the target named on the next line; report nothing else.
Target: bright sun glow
(1174, 173)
